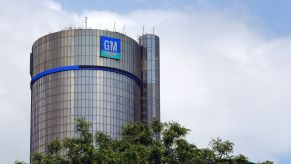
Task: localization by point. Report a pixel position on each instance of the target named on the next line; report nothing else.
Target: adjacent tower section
(150, 47)
(88, 73)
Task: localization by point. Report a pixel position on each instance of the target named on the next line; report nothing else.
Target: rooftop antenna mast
(154, 30)
(78, 25)
(114, 27)
(123, 30)
(86, 22)
(143, 30)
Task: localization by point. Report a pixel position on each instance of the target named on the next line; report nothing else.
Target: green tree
(81, 149)
(140, 143)
(267, 162)
(222, 149)
(19, 162)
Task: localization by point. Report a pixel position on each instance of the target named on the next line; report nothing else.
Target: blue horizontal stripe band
(85, 67)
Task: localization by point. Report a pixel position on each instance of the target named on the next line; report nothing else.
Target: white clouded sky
(222, 75)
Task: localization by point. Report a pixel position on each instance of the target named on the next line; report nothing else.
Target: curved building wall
(70, 79)
(150, 45)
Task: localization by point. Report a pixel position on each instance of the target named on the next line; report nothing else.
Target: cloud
(221, 74)
(22, 22)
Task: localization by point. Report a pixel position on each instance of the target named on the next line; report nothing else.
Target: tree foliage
(139, 144)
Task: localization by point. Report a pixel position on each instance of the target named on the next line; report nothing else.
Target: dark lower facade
(105, 77)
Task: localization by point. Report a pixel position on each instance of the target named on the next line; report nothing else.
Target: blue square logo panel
(110, 47)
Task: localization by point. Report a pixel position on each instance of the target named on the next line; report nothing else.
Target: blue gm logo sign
(110, 47)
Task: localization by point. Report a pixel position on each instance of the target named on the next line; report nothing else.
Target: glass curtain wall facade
(151, 77)
(70, 79)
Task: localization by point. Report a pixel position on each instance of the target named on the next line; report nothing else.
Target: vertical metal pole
(114, 27)
(85, 22)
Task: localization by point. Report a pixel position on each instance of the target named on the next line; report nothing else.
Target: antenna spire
(123, 30)
(114, 27)
(86, 22)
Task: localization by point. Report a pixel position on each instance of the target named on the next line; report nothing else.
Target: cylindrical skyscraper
(92, 74)
(86, 73)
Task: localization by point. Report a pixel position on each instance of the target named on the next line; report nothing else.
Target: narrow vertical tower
(150, 94)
